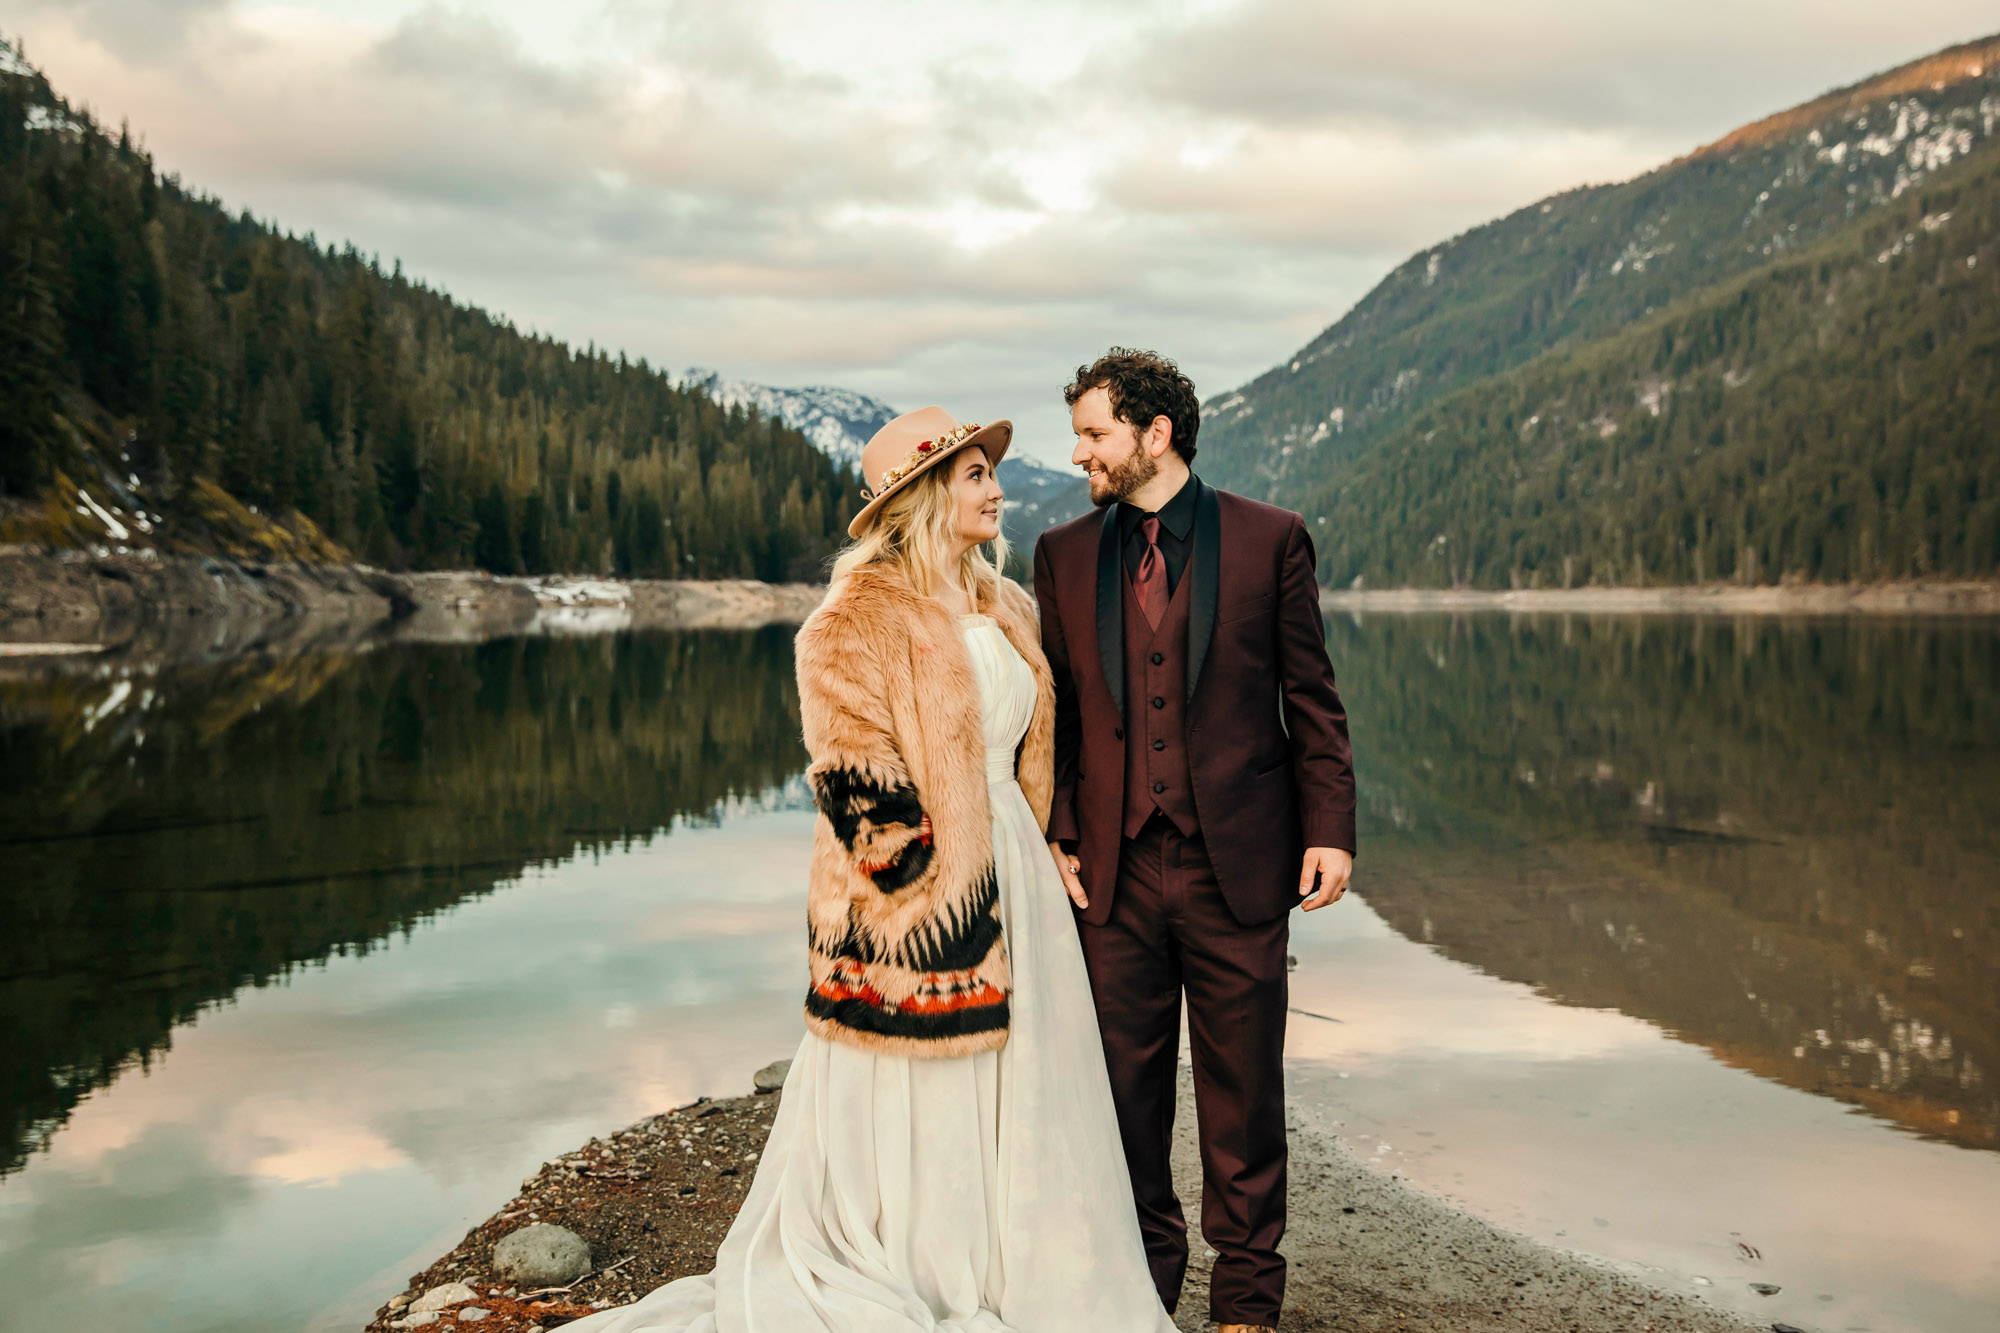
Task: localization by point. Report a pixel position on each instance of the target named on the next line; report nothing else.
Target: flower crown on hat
(924, 450)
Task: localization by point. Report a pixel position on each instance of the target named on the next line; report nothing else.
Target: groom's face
(1110, 452)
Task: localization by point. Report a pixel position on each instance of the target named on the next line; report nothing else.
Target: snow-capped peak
(838, 421)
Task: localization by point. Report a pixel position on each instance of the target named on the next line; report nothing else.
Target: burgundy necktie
(1150, 583)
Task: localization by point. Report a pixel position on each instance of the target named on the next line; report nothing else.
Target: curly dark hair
(1143, 385)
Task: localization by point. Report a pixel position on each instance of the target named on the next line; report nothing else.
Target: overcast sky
(936, 200)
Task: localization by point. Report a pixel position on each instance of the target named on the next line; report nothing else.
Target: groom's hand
(1066, 866)
(1332, 866)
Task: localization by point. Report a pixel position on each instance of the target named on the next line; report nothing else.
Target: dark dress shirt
(1176, 533)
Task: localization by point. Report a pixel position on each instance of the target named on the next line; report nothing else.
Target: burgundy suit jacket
(1266, 732)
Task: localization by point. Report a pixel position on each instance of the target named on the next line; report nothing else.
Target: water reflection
(1776, 840)
(174, 836)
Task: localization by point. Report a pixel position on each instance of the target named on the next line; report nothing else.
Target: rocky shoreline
(1368, 1253)
(1964, 598)
(142, 604)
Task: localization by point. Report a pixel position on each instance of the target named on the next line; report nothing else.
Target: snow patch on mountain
(838, 421)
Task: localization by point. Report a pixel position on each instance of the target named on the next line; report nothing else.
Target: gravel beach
(1367, 1253)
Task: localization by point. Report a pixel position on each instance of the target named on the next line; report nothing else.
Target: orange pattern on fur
(886, 692)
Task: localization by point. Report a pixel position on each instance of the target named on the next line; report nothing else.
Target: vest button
(1158, 702)
(1159, 787)
(1157, 659)
(1159, 745)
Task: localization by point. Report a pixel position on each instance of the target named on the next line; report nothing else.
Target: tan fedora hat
(914, 443)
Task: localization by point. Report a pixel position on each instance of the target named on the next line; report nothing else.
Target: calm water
(1669, 935)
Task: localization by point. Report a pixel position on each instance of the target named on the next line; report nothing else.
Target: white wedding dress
(981, 1194)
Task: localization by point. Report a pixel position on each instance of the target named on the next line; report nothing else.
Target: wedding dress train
(980, 1194)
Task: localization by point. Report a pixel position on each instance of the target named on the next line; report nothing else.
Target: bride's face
(975, 497)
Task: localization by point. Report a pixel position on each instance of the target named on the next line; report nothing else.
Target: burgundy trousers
(1171, 932)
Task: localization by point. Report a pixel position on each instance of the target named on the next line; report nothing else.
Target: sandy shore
(1367, 1253)
(1811, 599)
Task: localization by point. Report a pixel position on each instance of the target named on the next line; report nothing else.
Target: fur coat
(907, 952)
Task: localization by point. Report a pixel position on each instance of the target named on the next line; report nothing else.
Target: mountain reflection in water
(173, 837)
(1773, 839)
(1776, 840)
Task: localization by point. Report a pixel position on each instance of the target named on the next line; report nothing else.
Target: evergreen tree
(187, 343)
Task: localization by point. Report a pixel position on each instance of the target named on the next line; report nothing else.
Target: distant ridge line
(1955, 64)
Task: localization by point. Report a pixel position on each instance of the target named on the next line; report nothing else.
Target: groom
(1203, 790)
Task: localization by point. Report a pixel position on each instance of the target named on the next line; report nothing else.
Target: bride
(945, 1156)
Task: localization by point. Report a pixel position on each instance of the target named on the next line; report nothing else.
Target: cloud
(135, 29)
(1652, 70)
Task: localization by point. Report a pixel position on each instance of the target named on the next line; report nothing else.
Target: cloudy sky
(936, 201)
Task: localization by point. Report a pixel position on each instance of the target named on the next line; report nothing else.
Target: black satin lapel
(1207, 575)
(1110, 609)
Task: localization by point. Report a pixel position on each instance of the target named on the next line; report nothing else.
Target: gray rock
(418, 1320)
(437, 1298)
(398, 1302)
(542, 1255)
(473, 1312)
(772, 1076)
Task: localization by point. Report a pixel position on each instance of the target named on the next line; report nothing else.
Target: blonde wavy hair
(916, 532)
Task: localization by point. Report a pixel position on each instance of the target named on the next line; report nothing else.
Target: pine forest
(195, 364)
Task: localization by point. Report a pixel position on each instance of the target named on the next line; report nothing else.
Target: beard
(1118, 481)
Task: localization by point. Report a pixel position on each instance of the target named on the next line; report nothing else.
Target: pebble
(772, 1076)
(398, 1302)
(473, 1312)
(1765, 1288)
(451, 1293)
(542, 1255)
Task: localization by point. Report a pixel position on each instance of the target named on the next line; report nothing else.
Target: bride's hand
(1067, 867)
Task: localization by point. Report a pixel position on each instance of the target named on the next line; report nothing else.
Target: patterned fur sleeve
(859, 780)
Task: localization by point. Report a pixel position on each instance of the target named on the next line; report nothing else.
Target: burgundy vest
(1156, 753)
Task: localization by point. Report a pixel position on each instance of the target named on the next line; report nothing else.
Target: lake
(1674, 941)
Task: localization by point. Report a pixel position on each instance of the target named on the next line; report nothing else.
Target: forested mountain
(1833, 416)
(161, 359)
(1773, 358)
